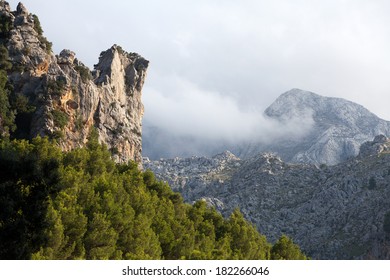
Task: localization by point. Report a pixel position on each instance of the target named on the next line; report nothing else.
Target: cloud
(232, 59)
(189, 110)
(250, 50)
(183, 119)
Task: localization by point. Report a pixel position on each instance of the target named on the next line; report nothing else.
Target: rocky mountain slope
(334, 212)
(58, 96)
(338, 129)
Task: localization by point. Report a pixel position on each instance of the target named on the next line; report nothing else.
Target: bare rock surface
(338, 129)
(69, 99)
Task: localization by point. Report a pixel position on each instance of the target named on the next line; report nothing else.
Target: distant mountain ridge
(312, 129)
(339, 128)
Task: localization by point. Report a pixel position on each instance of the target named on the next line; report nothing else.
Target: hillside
(332, 212)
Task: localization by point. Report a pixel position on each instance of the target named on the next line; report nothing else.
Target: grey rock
(108, 99)
(4, 6)
(379, 145)
(338, 129)
(66, 57)
(21, 10)
(332, 212)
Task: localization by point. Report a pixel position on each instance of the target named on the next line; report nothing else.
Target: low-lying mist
(192, 121)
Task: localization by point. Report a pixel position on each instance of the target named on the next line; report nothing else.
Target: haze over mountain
(338, 128)
(300, 126)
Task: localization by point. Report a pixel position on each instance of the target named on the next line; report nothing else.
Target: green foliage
(60, 118)
(247, 243)
(57, 135)
(17, 67)
(37, 25)
(48, 45)
(56, 86)
(84, 72)
(79, 123)
(5, 64)
(5, 26)
(22, 104)
(15, 110)
(29, 174)
(24, 114)
(7, 115)
(81, 205)
(285, 249)
(42, 39)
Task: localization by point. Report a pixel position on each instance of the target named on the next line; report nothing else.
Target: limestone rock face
(120, 77)
(68, 99)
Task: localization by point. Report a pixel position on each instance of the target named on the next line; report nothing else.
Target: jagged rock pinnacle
(21, 10)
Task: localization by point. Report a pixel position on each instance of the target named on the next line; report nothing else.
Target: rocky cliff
(58, 96)
(334, 212)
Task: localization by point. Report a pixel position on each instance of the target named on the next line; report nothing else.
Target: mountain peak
(339, 127)
(293, 103)
(21, 10)
(299, 103)
(297, 100)
(298, 93)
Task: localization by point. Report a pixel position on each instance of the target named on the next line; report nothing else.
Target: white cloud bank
(202, 114)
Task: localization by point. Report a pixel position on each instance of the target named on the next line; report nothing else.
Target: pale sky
(232, 58)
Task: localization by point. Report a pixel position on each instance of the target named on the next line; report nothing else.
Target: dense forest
(82, 205)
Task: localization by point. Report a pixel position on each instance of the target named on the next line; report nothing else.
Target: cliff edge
(58, 96)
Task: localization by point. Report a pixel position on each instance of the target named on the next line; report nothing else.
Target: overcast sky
(232, 58)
